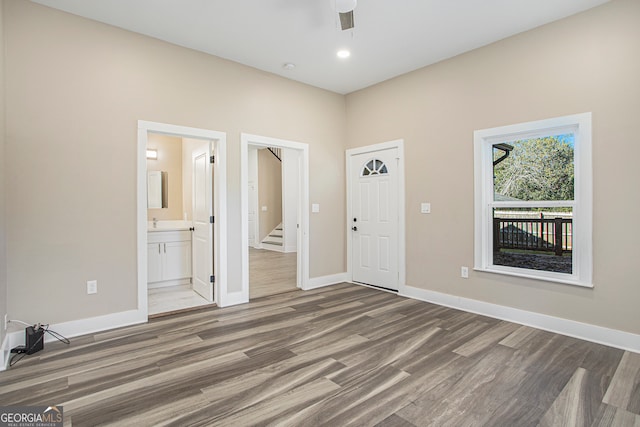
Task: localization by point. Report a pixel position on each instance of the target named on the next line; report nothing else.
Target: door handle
(354, 228)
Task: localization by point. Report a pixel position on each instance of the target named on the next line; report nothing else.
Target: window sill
(535, 275)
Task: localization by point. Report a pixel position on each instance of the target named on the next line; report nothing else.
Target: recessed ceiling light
(288, 65)
(343, 53)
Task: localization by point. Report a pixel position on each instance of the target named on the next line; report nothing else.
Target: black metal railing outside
(534, 234)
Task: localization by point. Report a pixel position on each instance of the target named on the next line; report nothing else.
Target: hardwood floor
(335, 356)
(271, 272)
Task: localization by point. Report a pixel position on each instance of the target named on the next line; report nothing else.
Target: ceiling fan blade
(346, 20)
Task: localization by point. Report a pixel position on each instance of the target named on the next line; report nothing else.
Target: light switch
(264, 209)
(425, 208)
(92, 287)
(315, 208)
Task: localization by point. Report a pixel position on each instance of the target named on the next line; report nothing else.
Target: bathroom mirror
(157, 190)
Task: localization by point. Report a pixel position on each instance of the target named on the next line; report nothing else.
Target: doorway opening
(275, 198)
(273, 218)
(181, 218)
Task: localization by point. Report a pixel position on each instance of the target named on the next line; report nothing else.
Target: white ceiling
(391, 37)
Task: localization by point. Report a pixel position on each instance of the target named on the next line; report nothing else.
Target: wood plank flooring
(336, 356)
(271, 272)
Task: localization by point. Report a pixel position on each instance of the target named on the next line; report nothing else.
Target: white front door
(202, 241)
(374, 218)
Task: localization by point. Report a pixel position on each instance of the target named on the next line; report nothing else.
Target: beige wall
(170, 161)
(588, 62)
(269, 192)
(75, 90)
(3, 228)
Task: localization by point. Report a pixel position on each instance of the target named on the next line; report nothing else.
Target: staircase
(276, 152)
(274, 240)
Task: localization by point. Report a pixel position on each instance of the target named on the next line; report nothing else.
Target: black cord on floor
(57, 336)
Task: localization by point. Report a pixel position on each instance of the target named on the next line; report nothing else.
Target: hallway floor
(271, 272)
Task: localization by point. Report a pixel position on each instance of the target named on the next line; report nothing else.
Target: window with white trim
(533, 200)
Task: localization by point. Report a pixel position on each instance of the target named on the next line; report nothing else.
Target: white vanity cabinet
(168, 257)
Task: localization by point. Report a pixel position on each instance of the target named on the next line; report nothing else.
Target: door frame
(395, 144)
(302, 262)
(219, 140)
(253, 201)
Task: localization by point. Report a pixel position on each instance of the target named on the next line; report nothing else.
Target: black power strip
(33, 339)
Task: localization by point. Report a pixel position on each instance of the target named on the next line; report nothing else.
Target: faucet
(155, 222)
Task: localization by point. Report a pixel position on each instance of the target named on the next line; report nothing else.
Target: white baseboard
(291, 248)
(74, 328)
(4, 353)
(597, 334)
(269, 247)
(319, 282)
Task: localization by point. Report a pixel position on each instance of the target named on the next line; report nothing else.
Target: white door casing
(253, 215)
(375, 215)
(222, 295)
(254, 232)
(302, 260)
(290, 199)
(202, 241)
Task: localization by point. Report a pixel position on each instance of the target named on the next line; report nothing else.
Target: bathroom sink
(169, 225)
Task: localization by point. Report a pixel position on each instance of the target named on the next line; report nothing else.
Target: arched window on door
(374, 167)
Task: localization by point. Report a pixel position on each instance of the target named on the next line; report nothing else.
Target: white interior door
(374, 223)
(202, 241)
(290, 198)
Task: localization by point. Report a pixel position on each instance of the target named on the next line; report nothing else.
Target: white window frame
(582, 252)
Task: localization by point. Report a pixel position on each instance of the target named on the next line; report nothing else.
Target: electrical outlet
(92, 287)
(464, 272)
